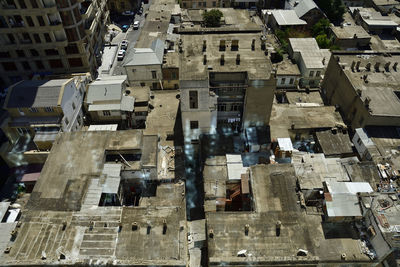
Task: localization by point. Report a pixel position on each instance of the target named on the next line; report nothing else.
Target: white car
(124, 44)
(121, 54)
(136, 25)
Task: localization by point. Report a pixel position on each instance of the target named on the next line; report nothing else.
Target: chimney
(278, 228)
(253, 44)
(221, 45)
(377, 66)
(353, 63)
(148, 228)
(355, 36)
(204, 45)
(222, 61)
(368, 66)
(164, 230)
(238, 59)
(246, 229)
(235, 45)
(323, 61)
(365, 78)
(64, 224)
(395, 66)
(204, 59)
(358, 65)
(134, 226)
(387, 66)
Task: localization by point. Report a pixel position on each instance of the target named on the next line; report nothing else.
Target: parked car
(136, 25)
(124, 44)
(121, 54)
(128, 13)
(125, 28)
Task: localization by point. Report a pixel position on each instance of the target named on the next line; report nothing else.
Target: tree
(333, 9)
(212, 18)
(321, 27)
(323, 41)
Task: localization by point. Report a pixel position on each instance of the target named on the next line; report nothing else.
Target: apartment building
(365, 87)
(45, 37)
(38, 110)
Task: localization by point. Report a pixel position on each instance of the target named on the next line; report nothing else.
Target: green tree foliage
(334, 9)
(321, 27)
(212, 18)
(323, 41)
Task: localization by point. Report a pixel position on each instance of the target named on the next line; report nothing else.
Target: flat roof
(286, 67)
(275, 199)
(381, 85)
(283, 117)
(255, 63)
(349, 32)
(334, 143)
(65, 176)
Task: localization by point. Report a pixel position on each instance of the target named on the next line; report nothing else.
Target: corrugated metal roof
(287, 17)
(304, 6)
(343, 205)
(3, 209)
(105, 127)
(35, 93)
(104, 107)
(147, 56)
(106, 89)
(349, 187)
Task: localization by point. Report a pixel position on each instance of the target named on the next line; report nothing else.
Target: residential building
(383, 6)
(38, 110)
(144, 65)
(373, 21)
(306, 10)
(311, 60)
(282, 18)
(287, 75)
(102, 186)
(364, 87)
(109, 101)
(352, 37)
(203, 4)
(226, 83)
(50, 37)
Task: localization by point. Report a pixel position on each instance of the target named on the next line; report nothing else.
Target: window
(37, 38)
(22, 3)
(9, 66)
(34, 52)
(40, 20)
(154, 74)
(22, 131)
(4, 54)
(106, 113)
(73, 106)
(133, 70)
(26, 39)
(33, 110)
(11, 38)
(47, 38)
(283, 80)
(25, 65)
(173, 75)
(311, 73)
(318, 74)
(72, 49)
(56, 63)
(142, 84)
(199, 4)
(155, 86)
(222, 107)
(214, 4)
(30, 21)
(75, 62)
(34, 4)
(193, 99)
(194, 124)
(184, 5)
(51, 52)
(49, 109)
(204, 4)
(20, 53)
(39, 64)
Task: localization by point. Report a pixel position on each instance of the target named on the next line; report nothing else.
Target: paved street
(132, 36)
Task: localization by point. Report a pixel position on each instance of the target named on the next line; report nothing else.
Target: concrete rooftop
(275, 199)
(381, 85)
(257, 65)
